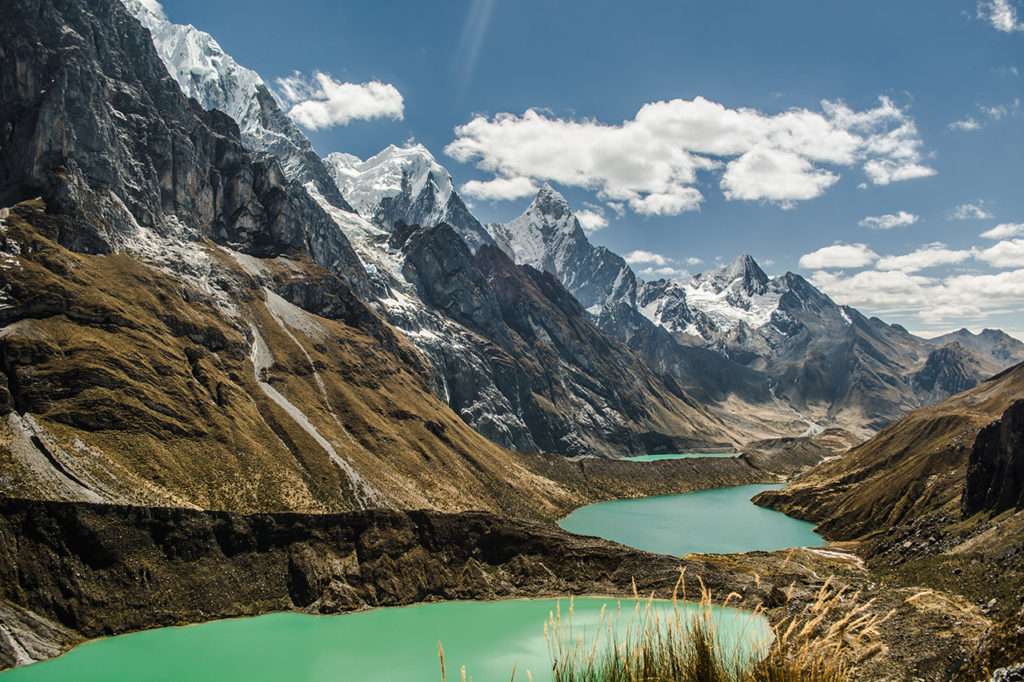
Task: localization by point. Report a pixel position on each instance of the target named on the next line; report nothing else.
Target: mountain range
(171, 231)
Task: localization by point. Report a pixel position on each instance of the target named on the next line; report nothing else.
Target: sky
(872, 147)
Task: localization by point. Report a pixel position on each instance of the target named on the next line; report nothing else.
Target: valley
(243, 384)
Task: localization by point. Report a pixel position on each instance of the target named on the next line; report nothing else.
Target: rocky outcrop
(950, 369)
(995, 472)
(81, 571)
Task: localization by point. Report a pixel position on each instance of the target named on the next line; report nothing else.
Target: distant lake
(680, 455)
(716, 521)
(389, 645)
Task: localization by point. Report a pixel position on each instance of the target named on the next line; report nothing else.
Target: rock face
(80, 571)
(995, 473)
(99, 131)
(577, 388)
(548, 237)
(997, 345)
(204, 72)
(951, 369)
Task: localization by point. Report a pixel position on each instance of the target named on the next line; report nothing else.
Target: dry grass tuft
(811, 645)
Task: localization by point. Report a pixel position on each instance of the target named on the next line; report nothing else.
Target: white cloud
(886, 171)
(651, 162)
(784, 177)
(322, 102)
(1005, 254)
(693, 260)
(500, 189)
(1001, 14)
(668, 203)
(927, 256)
(886, 291)
(889, 220)
(643, 257)
(968, 125)
(932, 300)
(1004, 231)
(591, 221)
(838, 256)
(663, 272)
(969, 211)
(618, 208)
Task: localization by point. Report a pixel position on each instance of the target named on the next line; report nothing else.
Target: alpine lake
(489, 638)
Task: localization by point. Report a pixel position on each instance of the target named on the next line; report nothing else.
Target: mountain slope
(548, 237)
(578, 389)
(913, 467)
(181, 325)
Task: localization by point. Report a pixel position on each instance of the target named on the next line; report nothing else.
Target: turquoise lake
(680, 455)
(715, 521)
(389, 645)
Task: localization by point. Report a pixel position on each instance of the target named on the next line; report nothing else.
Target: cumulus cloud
(838, 256)
(657, 265)
(780, 176)
(693, 260)
(889, 220)
(933, 300)
(1005, 254)
(322, 102)
(1004, 231)
(1001, 14)
(500, 189)
(887, 171)
(651, 162)
(927, 256)
(645, 257)
(969, 211)
(591, 221)
(883, 291)
(666, 272)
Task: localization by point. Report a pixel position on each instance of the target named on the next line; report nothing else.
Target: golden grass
(815, 643)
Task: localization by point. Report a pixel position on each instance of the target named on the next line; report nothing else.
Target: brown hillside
(914, 466)
(124, 384)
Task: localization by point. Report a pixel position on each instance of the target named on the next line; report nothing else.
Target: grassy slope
(147, 394)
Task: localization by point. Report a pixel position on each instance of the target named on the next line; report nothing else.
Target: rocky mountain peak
(744, 272)
(551, 204)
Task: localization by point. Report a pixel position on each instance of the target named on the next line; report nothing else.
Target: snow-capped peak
(366, 183)
(201, 67)
(551, 204)
(205, 72)
(744, 272)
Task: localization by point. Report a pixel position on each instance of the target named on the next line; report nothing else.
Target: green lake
(680, 455)
(715, 521)
(390, 644)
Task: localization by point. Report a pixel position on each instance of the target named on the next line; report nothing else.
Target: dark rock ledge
(74, 571)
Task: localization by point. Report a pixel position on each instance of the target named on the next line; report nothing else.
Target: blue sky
(879, 196)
